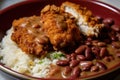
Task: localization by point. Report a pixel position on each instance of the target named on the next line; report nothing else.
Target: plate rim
(8, 70)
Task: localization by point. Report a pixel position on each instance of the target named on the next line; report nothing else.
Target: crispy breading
(28, 35)
(53, 29)
(88, 24)
(61, 28)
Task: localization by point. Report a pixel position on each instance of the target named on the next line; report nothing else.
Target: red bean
(68, 57)
(73, 56)
(106, 58)
(113, 37)
(118, 36)
(103, 52)
(111, 57)
(81, 57)
(107, 27)
(115, 45)
(89, 39)
(101, 65)
(86, 65)
(88, 54)
(76, 72)
(108, 21)
(95, 42)
(118, 55)
(80, 49)
(62, 63)
(116, 28)
(94, 68)
(99, 18)
(96, 51)
(74, 63)
(101, 44)
(88, 43)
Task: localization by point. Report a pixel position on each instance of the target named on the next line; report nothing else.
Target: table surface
(6, 3)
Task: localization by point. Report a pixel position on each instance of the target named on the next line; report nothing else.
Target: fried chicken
(53, 29)
(60, 27)
(57, 28)
(88, 24)
(29, 36)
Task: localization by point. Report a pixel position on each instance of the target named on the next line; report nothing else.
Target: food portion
(65, 41)
(88, 24)
(28, 35)
(60, 27)
(52, 29)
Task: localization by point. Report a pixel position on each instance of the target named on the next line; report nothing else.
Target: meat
(57, 28)
(29, 36)
(61, 28)
(52, 30)
(88, 24)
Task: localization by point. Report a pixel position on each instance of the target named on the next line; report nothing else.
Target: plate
(33, 7)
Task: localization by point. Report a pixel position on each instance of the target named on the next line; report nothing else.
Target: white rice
(16, 59)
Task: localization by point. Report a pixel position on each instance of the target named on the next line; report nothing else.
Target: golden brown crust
(52, 29)
(87, 16)
(60, 28)
(26, 34)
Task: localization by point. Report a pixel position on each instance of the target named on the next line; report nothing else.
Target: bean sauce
(95, 55)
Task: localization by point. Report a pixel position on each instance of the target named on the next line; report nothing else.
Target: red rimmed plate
(33, 7)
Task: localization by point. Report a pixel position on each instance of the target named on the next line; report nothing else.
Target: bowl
(33, 7)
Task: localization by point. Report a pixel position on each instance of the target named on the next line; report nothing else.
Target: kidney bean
(74, 63)
(101, 65)
(115, 45)
(115, 28)
(101, 44)
(103, 52)
(89, 39)
(81, 57)
(88, 53)
(118, 36)
(106, 58)
(99, 18)
(111, 57)
(108, 21)
(113, 37)
(73, 56)
(94, 68)
(96, 51)
(67, 70)
(76, 72)
(118, 55)
(80, 49)
(95, 42)
(106, 27)
(86, 65)
(62, 62)
(68, 57)
(88, 43)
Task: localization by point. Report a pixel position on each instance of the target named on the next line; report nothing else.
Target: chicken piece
(88, 24)
(60, 27)
(29, 36)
